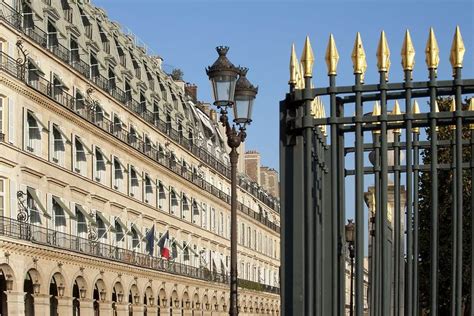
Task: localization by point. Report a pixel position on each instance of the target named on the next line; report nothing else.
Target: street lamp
(239, 94)
(350, 229)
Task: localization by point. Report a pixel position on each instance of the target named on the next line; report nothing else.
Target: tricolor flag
(164, 244)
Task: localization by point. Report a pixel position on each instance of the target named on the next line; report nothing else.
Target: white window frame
(80, 166)
(33, 145)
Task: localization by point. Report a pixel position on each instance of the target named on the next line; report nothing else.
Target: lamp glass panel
(243, 109)
(223, 88)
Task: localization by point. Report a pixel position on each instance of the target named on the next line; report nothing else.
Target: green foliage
(177, 74)
(445, 209)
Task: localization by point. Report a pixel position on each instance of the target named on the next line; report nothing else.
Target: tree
(177, 74)
(445, 202)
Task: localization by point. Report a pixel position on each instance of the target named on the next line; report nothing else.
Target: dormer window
(67, 10)
(136, 66)
(94, 66)
(52, 37)
(142, 108)
(86, 23)
(104, 39)
(121, 53)
(112, 79)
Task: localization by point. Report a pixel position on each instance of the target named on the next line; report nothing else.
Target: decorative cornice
(57, 181)
(32, 172)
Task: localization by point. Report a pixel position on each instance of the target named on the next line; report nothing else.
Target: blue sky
(260, 34)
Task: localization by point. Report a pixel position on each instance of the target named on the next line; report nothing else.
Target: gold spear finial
(332, 56)
(408, 52)
(376, 112)
(396, 111)
(293, 65)
(432, 51)
(471, 108)
(358, 57)
(416, 110)
(383, 54)
(307, 58)
(300, 79)
(457, 50)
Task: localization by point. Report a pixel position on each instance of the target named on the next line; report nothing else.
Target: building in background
(102, 155)
(266, 177)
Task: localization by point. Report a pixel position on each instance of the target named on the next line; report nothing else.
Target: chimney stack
(191, 90)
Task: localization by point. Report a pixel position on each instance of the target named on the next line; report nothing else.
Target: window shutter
(11, 121)
(13, 199)
(72, 207)
(49, 208)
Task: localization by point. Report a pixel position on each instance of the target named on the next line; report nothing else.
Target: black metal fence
(371, 163)
(48, 237)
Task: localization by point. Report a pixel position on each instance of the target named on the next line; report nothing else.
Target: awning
(106, 221)
(139, 233)
(66, 137)
(38, 120)
(84, 145)
(124, 168)
(61, 82)
(38, 203)
(205, 120)
(122, 224)
(103, 155)
(35, 66)
(86, 215)
(64, 207)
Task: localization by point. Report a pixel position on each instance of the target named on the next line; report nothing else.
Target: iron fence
(52, 238)
(372, 162)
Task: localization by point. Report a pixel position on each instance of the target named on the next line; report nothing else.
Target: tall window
(74, 50)
(1, 114)
(94, 64)
(112, 80)
(174, 202)
(33, 207)
(148, 189)
(185, 206)
(59, 216)
(81, 223)
(101, 228)
(213, 219)
(52, 35)
(134, 184)
(33, 137)
(196, 212)
(221, 224)
(128, 91)
(135, 239)
(59, 148)
(118, 174)
(100, 166)
(204, 216)
(119, 234)
(161, 195)
(81, 158)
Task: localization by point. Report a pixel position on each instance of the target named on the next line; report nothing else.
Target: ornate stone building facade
(101, 153)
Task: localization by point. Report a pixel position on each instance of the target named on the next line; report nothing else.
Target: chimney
(191, 91)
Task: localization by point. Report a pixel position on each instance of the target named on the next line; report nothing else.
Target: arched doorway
(31, 286)
(3, 296)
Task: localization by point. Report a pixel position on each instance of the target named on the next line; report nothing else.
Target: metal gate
(383, 165)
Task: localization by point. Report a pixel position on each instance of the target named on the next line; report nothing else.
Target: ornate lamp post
(231, 89)
(350, 228)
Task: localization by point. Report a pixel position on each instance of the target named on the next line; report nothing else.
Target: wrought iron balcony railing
(45, 87)
(48, 237)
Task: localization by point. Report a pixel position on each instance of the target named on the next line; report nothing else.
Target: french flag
(164, 244)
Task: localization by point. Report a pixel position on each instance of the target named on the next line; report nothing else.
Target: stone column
(165, 311)
(64, 306)
(152, 310)
(105, 308)
(86, 306)
(42, 305)
(138, 309)
(121, 308)
(15, 303)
